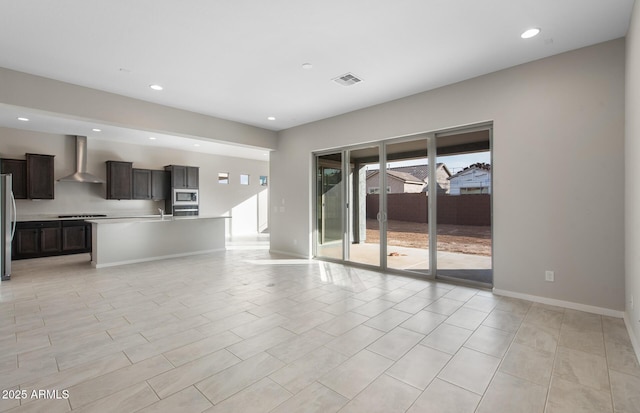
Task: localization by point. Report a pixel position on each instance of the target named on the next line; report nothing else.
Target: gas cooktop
(83, 216)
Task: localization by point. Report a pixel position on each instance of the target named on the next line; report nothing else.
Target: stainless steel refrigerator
(7, 225)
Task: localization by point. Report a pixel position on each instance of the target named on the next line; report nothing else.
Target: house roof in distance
(402, 176)
(476, 166)
(420, 171)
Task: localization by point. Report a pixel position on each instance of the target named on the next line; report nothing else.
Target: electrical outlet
(549, 276)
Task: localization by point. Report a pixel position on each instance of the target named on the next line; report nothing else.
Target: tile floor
(246, 331)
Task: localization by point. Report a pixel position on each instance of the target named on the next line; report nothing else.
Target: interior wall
(558, 153)
(632, 171)
(77, 102)
(242, 202)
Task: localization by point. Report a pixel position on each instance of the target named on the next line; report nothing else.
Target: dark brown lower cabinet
(26, 242)
(48, 238)
(76, 236)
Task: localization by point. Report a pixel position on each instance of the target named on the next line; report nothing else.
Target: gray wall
(81, 103)
(242, 202)
(632, 170)
(556, 120)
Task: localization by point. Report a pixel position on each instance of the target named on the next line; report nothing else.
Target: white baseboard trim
(632, 336)
(561, 303)
(147, 259)
(290, 254)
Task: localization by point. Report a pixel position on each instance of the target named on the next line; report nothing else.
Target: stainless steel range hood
(81, 174)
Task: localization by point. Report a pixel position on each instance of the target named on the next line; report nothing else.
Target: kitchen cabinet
(159, 185)
(150, 184)
(18, 169)
(36, 239)
(193, 177)
(50, 239)
(184, 177)
(141, 183)
(47, 238)
(119, 180)
(40, 183)
(32, 178)
(76, 236)
(25, 242)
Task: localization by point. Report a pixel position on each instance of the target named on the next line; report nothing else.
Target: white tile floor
(245, 331)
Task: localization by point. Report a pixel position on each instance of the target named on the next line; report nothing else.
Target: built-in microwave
(185, 196)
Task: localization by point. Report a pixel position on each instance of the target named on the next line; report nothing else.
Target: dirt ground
(465, 239)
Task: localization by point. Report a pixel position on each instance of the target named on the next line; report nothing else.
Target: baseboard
(290, 254)
(561, 303)
(632, 336)
(147, 259)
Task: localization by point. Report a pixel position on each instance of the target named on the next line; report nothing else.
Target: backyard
(465, 239)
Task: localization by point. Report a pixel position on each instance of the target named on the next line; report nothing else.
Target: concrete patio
(450, 264)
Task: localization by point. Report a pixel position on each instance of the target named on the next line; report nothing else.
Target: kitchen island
(119, 241)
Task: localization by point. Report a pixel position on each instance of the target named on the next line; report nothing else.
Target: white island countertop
(119, 241)
(150, 218)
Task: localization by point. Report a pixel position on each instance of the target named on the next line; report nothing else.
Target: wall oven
(185, 210)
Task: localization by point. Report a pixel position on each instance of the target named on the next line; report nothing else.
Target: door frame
(478, 127)
(432, 141)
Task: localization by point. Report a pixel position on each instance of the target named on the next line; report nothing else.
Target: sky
(456, 163)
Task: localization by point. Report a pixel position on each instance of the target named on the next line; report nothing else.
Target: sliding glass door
(407, 209)
(363, 208)
(464, 248)
(329, 206)
(420, 204)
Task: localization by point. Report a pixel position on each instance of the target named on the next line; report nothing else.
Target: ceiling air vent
(347, 79)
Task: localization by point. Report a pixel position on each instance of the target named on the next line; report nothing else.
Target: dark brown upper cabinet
(193, 177)
(184, 177)
(18, 169)
(119, 180)
(141, 183)
(159, 185)
(150, 184)
(40, 183)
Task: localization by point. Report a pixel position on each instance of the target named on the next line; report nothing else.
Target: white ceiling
(242, 59)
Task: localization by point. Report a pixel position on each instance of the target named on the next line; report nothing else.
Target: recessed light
(196, 144)
(307, 66)
(527, 34)
(23, 119)
(271, 118)
(156, 87)
(152, 138)
(96, 130)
